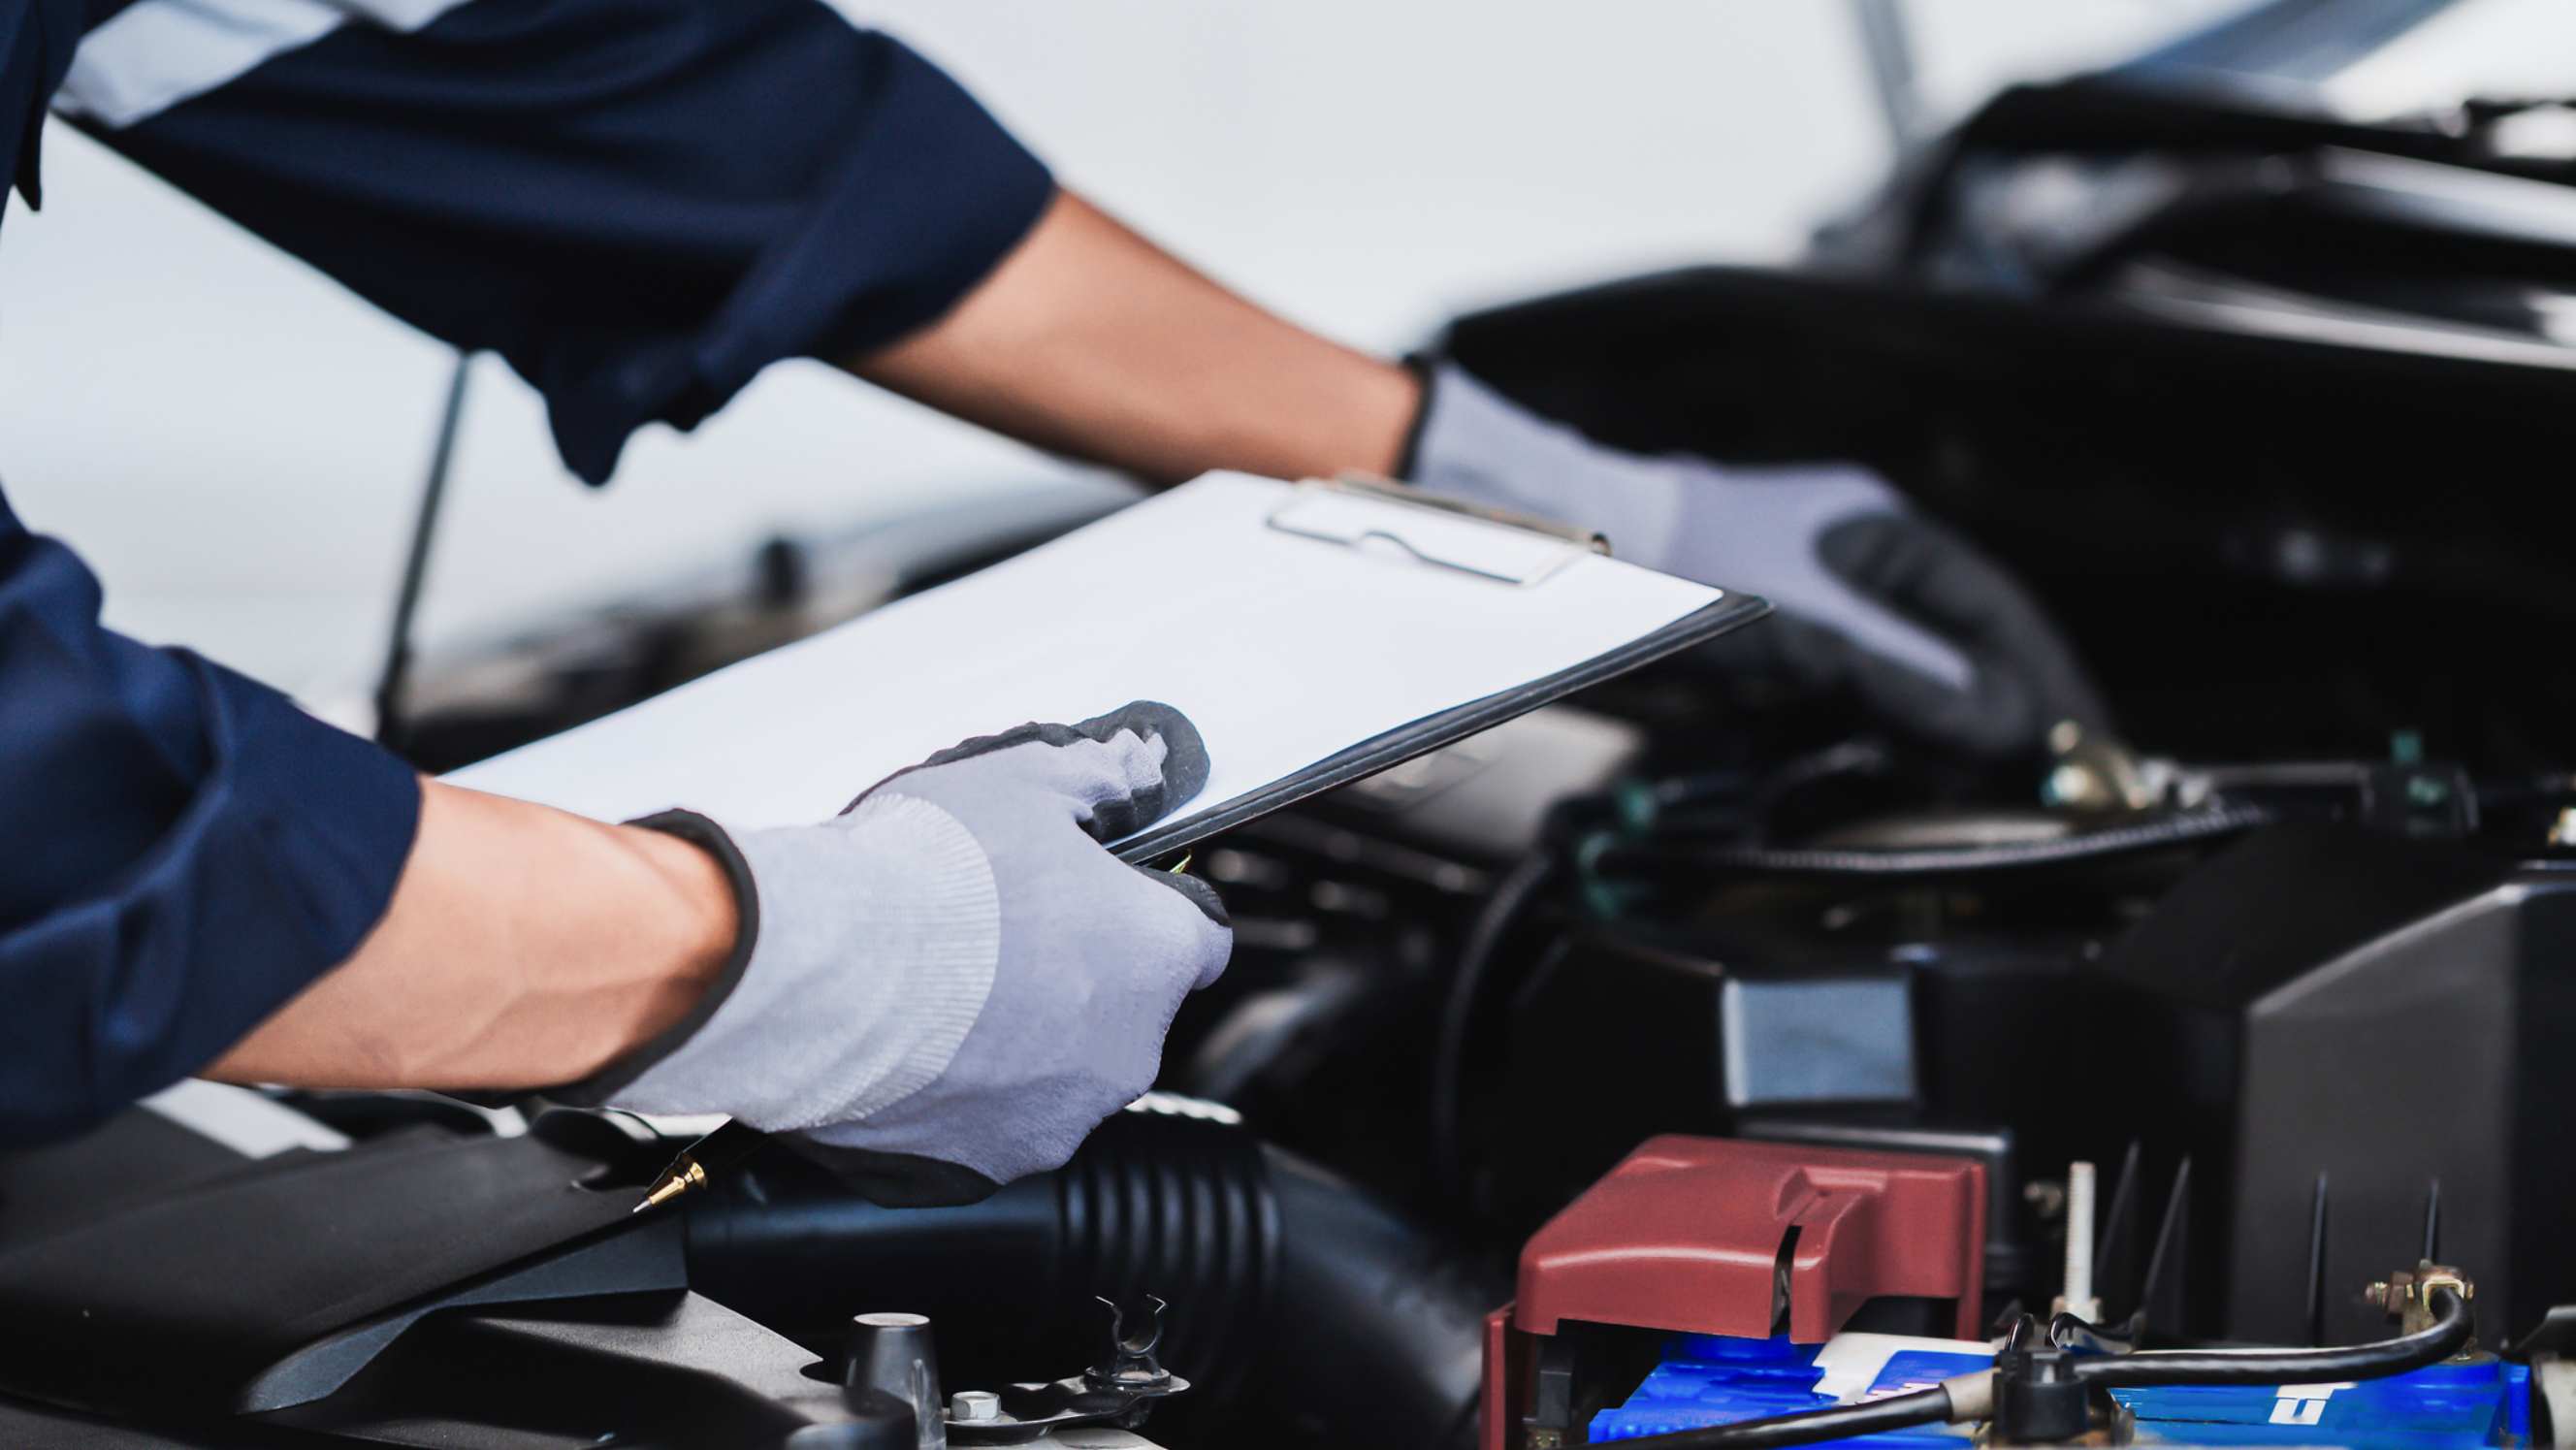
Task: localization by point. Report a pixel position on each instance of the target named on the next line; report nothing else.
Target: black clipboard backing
(1431, 732)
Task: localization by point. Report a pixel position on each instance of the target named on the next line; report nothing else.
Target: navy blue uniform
(638, 203)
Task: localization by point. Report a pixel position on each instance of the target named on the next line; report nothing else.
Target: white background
(235, 444)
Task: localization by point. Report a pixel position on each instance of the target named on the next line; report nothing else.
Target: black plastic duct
(1298, 1304)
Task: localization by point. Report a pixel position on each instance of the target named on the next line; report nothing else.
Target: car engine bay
(1679, 1057)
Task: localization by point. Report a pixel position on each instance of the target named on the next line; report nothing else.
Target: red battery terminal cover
(1721, 1235)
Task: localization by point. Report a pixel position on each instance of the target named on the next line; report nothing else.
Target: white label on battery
(2304, 1404)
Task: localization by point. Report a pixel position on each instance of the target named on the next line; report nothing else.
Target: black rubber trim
(709, 837)
(1200, 894)
(1447, 727)
(1408, 453)
(1184, 773)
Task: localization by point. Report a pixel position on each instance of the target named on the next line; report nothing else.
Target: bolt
(2071, 785)
(974, 1405)
(2376, 1296)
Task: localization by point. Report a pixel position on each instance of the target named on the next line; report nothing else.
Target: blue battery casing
(1713, 1380)
(1708, 1379)
(2452, 1406)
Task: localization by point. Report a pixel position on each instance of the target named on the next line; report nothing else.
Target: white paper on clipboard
(1284, 647)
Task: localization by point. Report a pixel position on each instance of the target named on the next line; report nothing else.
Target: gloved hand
(1929, 632)
(951, 984)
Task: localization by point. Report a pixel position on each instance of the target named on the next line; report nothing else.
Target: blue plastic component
(2469, 1406)
(1706, 1380)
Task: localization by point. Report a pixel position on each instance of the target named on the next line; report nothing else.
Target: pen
(690, 1171)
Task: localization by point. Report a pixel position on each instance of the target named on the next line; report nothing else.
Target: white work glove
(1932, 635)
(950, 984)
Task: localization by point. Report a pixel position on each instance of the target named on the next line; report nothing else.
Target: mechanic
(640, 204)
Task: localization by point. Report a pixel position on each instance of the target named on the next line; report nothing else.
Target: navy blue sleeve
(181, 851)
(37, 38)
(638, 203)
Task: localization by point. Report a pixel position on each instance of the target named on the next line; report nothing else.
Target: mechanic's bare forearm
(525, 947)
(1089, 340)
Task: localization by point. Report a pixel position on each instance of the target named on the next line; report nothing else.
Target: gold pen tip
(683, 1176)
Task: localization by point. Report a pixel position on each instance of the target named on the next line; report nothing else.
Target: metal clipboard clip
(1506, 548)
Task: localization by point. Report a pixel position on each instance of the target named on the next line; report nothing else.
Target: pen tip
(682, 1177)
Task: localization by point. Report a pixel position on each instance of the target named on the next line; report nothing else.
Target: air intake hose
(1294, 1297)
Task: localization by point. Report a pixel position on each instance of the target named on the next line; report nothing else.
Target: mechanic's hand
(1931, 633)
(952, 982)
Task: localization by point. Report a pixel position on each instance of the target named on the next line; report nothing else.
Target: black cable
(1864, 757)
(1511, 897)
(2182, 828)
(2445, 1336)
(1806, 1427)
(433, 493)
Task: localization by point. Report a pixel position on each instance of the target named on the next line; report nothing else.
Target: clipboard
(1316, 632)
(1432, 732)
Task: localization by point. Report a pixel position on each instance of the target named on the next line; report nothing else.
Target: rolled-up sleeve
(181, 850)
(638, 203)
